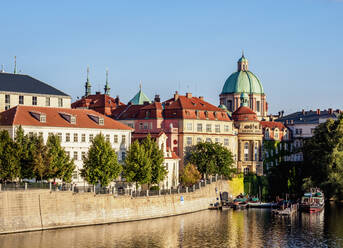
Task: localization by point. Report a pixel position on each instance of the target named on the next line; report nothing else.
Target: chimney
(318, 111)
(97, 93)
(157, 98)
(189, 95)
(330, 111)
(176, 96)
(201, 98)
(116, 100)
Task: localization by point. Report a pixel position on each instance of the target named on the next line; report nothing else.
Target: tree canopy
(158, 171)
(190, 175)
(212, 158)
(9, 160)
(101, 164)
(138, 164)
(323, 158)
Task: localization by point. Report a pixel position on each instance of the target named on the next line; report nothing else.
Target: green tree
(9, 161)
(137, 165)
(158, 171)
(101, 164)
(323, 158)
(212, 158)
(25, 153)
(41, 160)
(60, 166)
(190, 175)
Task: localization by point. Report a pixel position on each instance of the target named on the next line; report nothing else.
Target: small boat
(261, 204)
(240, 203)
(312, 201)
(286, 209)
(214, 206)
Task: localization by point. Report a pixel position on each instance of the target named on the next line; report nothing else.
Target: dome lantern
(242, 63)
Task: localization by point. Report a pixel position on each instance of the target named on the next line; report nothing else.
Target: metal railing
(106, 190)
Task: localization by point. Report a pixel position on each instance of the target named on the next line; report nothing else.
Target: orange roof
(193, 108)
(173, 156)
(23, 115)
(102, 103)
(244, 113)
(272, 125)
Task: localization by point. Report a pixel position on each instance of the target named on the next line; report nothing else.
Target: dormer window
(69, 117)
(41, 117)
(99, 120)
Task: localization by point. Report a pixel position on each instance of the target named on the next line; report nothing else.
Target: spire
(15, 65)
(243, 53)
(107, 87)
(2, 68)
(87, 85)
(140, 85)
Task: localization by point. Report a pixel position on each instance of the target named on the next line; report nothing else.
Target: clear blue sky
(295, 47)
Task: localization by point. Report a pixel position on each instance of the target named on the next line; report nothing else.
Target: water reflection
(250, 228)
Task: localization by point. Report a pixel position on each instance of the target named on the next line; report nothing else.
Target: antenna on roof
(15, 65)
(243, 53)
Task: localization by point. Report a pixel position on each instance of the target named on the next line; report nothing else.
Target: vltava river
(247, 228)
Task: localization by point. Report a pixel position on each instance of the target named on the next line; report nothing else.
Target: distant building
(250, 138)
(75, 127)
(18, 89)
(302, 125)
(244, 81)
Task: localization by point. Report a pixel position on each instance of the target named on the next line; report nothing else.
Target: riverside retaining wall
(41, 209)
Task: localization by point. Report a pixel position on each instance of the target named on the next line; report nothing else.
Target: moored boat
(312, 201)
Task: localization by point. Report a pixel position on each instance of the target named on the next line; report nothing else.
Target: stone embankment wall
(41, 209)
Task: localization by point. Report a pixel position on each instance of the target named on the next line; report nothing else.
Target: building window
(199, 127)
(217, 140)
(258, 108)
(68, 154)
(141, 125)
(217, 127)
(199, 140)
(123, 156)
(208, 140)
(83, 137)
(91, 137)
(208, 128)
(298, 131)
(7, 107)
(146, 125)
(34, 100)
(75, 175)
(189, 126)
(130, 125)
(47, 101)
(60, 102)
(67, 137)
(229, 105)
(189, 141)
(226, 142)
(123, 139)
(42, 118)
(76, 137)
(21, 99)
(59, 135)
(101, 121)
(256, 152)
(246, 151)
(266, 134)
(40, 134)
(115, 140)
(226, 128)
(7, 99)
(246, 170)
(75, 156)
(83, 155)
(276, 134)
(107, 137)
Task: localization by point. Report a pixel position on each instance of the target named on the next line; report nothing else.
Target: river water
(246, 228)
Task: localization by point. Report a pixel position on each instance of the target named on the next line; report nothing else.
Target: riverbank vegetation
(27, 157)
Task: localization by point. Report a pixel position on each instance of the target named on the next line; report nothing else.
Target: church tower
(87, 85)
(107, 87)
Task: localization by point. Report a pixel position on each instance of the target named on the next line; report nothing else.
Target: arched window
(276, 133)
(266, 133)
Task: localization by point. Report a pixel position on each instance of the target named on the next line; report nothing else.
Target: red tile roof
(101, 103)
(22, 115)
(244, 113)
(193, 108)
(272, 125)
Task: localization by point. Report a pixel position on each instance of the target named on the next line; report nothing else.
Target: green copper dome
(139, 98)
(243, 80)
